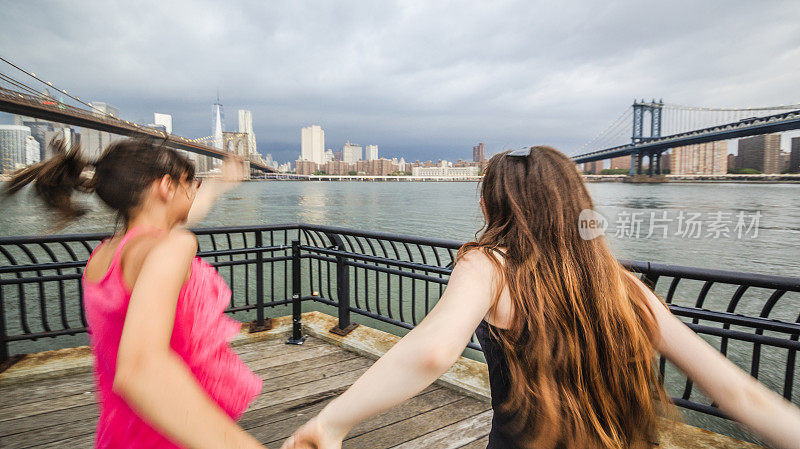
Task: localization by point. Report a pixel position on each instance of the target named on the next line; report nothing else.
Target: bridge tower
(640, 108)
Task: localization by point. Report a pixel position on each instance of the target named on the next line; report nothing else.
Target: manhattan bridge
(649, 128)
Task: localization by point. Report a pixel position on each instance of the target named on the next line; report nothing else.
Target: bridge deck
(298, 382)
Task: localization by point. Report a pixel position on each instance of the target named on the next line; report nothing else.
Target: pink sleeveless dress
(200, 336)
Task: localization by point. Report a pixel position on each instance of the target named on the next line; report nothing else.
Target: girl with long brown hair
(569, 335)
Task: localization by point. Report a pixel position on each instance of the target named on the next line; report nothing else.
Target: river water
(732, 226)
(767, 239)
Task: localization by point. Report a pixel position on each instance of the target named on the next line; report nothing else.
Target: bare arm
(736, 393)
(211, 189)
(151, 377)
(415, 362)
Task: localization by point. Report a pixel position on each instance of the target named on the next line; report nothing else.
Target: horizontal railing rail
(395, 280)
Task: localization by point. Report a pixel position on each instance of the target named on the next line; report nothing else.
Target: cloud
(421, 79)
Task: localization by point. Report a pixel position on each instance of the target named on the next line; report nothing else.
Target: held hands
(314, 435)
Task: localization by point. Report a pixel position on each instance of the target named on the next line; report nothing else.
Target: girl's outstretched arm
(211, 189)
(151, 377)
(734, 391)
(412, 364)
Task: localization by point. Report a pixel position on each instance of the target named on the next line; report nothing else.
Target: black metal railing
(393, 280)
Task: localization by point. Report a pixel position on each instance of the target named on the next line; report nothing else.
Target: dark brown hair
(580, 345)
(121, 174)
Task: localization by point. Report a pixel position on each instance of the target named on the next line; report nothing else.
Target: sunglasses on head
(522, 152)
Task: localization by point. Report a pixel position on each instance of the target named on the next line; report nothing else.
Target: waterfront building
(762, 153)
(620, 162)
(352, 153)
(32, 155)
(372, 152)
(13, 139)
(593, 168)
(401, 166)
(479, 153)
(444, 170)
(710, 158)
(164, 120)
(312, 144)
(337, 168)
(328, 155)
(303, 167)
(93, 142)
(794, 156)
(375, 167)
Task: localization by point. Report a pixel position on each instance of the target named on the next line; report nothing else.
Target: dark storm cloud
(421, 79)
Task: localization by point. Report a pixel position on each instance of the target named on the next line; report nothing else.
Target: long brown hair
(120, 176)
(580, 345)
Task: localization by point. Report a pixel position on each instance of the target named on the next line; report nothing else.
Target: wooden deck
(298, 382)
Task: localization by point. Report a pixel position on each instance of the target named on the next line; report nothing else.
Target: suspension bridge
(34, 99)
(649, 128)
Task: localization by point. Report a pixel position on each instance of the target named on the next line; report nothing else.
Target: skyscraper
(372, 152)
(93, 142)
(479, 153)
(32, 154)
(217, 123)
(352, 153)
(312, 144)
(13, 139)
(794, 156)
(246, 126)
(164, 120)
(710, 158)
(762, 153)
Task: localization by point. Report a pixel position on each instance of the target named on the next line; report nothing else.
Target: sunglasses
(522, 152)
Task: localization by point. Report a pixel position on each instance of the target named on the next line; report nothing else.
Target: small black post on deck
(297, 337)
(260, 324)
(344, 326)
(3, 334)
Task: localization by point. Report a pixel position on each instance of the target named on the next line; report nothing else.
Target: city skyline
(451, 92)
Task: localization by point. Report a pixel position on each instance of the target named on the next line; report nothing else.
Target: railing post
(3, 334)
(260, 324)
(344, 326)
(297, 337)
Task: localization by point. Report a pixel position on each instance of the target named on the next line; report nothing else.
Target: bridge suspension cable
(611, 132)
(62, 91)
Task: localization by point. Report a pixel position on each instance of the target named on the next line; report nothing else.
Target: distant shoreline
(729, 178)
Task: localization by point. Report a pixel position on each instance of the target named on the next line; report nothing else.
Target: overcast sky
(421, 79)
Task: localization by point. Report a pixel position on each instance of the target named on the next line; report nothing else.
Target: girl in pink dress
(166, 375)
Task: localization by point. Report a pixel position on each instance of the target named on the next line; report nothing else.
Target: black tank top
(499, 384)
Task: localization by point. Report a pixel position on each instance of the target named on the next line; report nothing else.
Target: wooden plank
(275, 432)
(24, 393)
(453, 436)
(291, 357)
(279, 367)
(259, 355)
(49, 434)
(297, 391)
(480, 443)
(408, 429)
(47, 405)
(271, 348)
(84, 412)
(79, 442)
